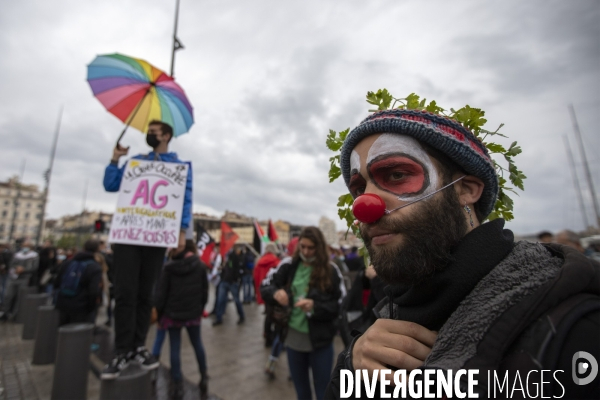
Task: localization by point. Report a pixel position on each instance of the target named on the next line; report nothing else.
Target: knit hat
(441, 133)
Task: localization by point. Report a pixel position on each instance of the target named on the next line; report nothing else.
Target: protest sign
(150, 204)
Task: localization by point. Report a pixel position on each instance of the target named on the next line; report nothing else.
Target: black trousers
(136, 268)
(81, 317)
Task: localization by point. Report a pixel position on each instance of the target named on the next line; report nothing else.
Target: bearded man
(461, 293)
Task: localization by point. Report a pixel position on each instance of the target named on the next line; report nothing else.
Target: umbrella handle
(137, 107)
(121, 136)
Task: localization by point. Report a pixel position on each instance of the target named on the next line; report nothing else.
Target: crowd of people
(443, 288)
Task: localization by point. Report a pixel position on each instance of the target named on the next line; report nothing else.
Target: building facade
(20, 210)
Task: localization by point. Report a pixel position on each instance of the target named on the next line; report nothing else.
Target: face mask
(25, 249)
(307, 259)
(152, 141)
(61, 257)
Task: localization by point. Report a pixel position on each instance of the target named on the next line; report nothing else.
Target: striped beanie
(439, 132)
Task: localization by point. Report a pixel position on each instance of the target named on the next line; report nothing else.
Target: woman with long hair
(310, 285)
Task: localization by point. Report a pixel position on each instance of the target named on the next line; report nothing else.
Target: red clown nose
(368, 208)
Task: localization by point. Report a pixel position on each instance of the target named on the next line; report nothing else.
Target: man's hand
(119, 151)
(19, 270)
(370, 272)
(281, 297)
(305, 304)
(390, 343)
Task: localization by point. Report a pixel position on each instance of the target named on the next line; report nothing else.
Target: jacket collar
(430, 303)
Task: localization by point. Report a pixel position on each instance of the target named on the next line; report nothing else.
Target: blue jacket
(113, 175)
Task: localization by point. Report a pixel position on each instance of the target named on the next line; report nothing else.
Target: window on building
(28, 205)
(26, 215)
(38, 216)
(6, 202)
(4, 214)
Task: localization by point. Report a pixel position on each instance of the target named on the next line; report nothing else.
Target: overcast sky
(268, 79)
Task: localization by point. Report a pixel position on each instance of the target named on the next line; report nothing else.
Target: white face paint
(391, 144)
(354, 162)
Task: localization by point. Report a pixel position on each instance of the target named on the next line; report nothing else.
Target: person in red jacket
(265, 263)
(268, 261)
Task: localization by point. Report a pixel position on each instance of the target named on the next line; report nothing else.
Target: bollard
(23, 292)
(72, 362)
(132, 383)
(44, 350)
(30, 313)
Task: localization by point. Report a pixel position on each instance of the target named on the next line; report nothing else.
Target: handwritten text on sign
(150, 204)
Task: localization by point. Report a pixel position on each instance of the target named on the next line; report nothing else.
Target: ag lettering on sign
(150, 204)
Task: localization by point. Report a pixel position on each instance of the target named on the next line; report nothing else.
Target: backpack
(70, 283)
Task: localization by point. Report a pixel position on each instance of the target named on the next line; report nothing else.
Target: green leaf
(495, 148)
(345, 199)
(382, 99)
(332, 142)
(433, 108)
(334, 173)
(514, 150)
(343, 134)
(412, 101)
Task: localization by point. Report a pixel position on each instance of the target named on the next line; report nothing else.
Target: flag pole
(47, 175)
(576, 181)
(586, 167)
(176, 43)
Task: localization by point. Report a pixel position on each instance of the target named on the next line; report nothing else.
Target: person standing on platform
(136, 266)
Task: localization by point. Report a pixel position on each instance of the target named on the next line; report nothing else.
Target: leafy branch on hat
(470, 117)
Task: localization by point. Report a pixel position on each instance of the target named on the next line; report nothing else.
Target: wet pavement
(236, 357)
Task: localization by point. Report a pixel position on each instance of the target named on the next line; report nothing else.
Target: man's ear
(469, 189)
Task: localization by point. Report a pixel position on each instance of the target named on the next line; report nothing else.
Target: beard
(429, 235)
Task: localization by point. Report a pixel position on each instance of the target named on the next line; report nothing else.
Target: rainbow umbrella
(136, 92)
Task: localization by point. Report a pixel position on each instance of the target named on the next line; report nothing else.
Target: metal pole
(47, 176)
(576, 181)
(586, 167)
(176, 44)
(81, 216)
(16, 203)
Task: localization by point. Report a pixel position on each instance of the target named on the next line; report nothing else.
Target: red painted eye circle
(368, 208)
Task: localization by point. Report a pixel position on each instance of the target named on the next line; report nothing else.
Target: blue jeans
(247, 287)
(158, 341)
(224, 288)
(319, 361)
(175, 342)
(276, 347)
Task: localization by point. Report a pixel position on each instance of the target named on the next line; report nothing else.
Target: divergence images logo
(583, 363)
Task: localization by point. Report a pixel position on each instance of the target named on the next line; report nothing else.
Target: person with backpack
(182, 293)
(79, 286)
(462, 293)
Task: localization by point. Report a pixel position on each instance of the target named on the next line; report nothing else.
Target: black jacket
(502, 347)
(233, 269)
(183, 289)
(321, 327)
(89, 296)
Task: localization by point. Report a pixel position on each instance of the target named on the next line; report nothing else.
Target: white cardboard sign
(150, 204)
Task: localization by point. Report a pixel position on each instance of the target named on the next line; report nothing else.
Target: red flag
(228, 238)
(205, 245)
(272, 232)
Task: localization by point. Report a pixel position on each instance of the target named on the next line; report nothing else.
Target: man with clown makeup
(461, 294)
